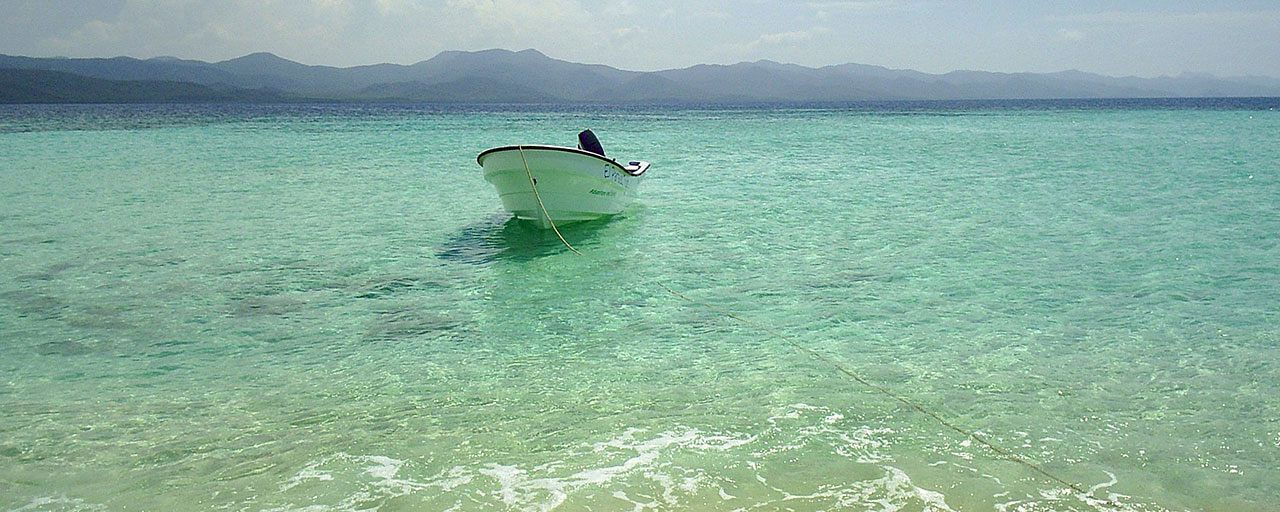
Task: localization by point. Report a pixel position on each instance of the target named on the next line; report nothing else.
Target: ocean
(1011, 306)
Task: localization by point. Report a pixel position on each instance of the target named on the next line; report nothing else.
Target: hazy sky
(1145, 38)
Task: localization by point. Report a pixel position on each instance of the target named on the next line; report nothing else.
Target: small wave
(804, 457)
(60, 503)
(368, 481)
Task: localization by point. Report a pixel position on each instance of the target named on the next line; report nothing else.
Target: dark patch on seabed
(97, 317)
(408, 322)
(68, 348)
(265, 305)
(387, 286)
(15, 224)
(285, 275)
(51, 272)
(33, 304)
(88, 321)
(846, 279)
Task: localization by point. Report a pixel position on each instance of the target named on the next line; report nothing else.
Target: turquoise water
(324, 308)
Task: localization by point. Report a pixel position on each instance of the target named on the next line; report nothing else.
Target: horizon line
(540, 52)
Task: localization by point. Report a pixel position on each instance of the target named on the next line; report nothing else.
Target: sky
(1119, 37)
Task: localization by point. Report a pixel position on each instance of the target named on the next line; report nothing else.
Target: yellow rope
(1001, 451)
(534, 183)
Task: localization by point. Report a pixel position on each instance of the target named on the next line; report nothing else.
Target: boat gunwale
(480, 157)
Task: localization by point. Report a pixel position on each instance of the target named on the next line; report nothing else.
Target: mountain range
(528, 76)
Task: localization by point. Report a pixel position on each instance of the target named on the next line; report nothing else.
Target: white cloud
(1157, 17)
(856, 5)
(1070, 34)
(689, 14)
(628, 31)
(790, 37)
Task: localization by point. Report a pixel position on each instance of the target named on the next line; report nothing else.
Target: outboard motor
(587, 141)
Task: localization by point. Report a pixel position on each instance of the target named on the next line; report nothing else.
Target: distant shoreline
(1262, 103)
(530, 77)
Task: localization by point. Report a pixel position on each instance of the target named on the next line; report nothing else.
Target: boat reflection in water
(505, 238)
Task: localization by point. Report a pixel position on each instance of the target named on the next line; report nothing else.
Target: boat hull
(574, 185)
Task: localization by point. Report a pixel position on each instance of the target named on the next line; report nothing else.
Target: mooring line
(1004, 453)
(534, 183)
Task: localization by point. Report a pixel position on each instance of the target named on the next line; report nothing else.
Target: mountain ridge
(530, 76)
(43, 86)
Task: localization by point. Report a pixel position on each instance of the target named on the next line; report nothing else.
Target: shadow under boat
(506, 238)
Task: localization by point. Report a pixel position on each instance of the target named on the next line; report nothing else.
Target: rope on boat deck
(534, 183)
(1003, 452)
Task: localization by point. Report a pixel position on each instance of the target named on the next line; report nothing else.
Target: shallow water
(324, 308)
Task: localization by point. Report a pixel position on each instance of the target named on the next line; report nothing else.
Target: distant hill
(41, 86)
(529, 76)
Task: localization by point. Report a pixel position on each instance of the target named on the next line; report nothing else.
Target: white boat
(574, 184)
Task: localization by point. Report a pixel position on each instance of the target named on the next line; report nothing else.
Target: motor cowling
(587, 141)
